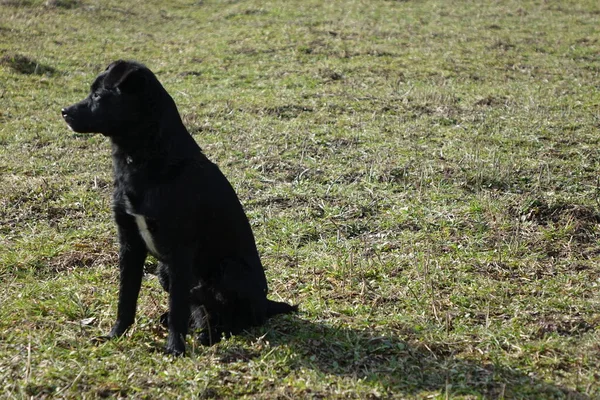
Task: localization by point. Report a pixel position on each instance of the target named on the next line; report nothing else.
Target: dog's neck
(127, 150)
(149, 155)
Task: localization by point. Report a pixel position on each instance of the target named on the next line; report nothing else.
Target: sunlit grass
(421, 177)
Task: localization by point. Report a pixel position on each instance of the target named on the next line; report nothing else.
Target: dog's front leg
(179, 300)
(132, 254)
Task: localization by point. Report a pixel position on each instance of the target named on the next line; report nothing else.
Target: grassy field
(421, 176)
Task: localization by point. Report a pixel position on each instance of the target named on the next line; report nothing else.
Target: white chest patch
(142, 227)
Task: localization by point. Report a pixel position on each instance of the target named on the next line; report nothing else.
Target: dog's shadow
(406, 366)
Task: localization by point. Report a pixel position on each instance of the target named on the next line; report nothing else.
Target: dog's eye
(95, 96)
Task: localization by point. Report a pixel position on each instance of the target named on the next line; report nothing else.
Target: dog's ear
(113, 64)
(132, 81)
(126, 76)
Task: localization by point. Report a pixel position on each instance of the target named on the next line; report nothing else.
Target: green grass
(421, 176)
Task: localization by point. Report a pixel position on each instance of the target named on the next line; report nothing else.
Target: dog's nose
(64, 112)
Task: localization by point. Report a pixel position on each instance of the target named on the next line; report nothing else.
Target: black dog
(171, 201)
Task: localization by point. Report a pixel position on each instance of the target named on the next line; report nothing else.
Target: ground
(421, 177)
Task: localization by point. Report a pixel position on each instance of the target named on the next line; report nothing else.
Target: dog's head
(119, 101)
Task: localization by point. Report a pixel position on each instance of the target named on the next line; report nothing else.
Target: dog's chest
(142, 225)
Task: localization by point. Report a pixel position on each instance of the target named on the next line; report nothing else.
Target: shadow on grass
(25, 65)
(404, 368)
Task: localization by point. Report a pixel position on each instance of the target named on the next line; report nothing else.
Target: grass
(421, 176)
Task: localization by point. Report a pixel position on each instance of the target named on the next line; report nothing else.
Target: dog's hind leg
(208, 333)
(206, 314)
(197, 316)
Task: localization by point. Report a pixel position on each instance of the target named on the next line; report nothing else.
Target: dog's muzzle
(68, 116)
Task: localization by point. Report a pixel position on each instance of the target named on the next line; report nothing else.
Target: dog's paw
(175, 345)
(117, 330)
(175, 352)
(208, 338)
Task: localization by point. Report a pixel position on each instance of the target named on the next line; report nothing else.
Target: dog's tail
(278, 307)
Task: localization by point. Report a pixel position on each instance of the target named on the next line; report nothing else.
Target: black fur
(171, 201)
